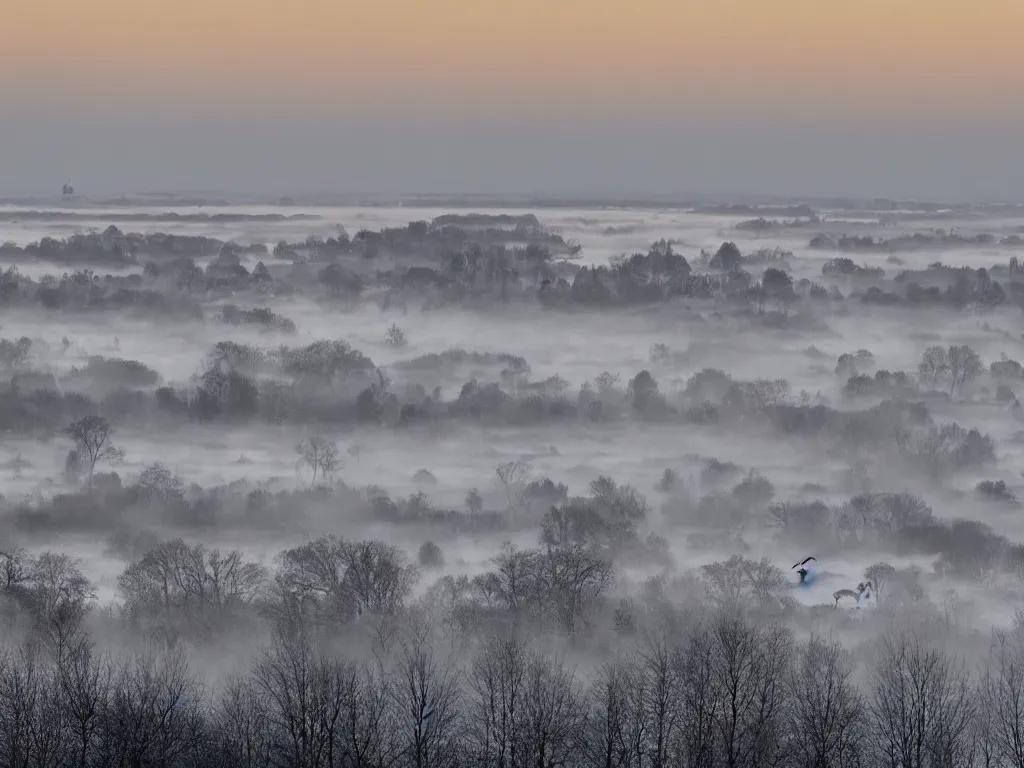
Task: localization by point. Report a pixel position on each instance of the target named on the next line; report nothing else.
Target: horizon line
(214, 197)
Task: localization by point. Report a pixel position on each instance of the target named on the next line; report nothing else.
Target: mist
(683, 151)
(317, 485)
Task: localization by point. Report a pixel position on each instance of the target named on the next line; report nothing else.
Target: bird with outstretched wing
(802, 565)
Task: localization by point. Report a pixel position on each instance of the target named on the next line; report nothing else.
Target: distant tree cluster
(475, 261)
(576, 535)
(918, 241)
(331, 384)
(260, 316)
(514, 623)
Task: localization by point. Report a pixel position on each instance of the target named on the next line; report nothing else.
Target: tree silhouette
(320, 455)
(92, 437)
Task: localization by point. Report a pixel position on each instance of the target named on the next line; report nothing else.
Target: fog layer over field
(263, 434)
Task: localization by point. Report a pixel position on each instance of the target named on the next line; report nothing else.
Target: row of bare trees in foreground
(725, 691)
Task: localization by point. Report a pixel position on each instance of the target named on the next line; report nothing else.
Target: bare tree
(740, 582)
(524, 708)
(329, 461)
(516, 572)
(368, 737)
(92, 438)
(572, 580)
(766, 581)
(152, 710)
(699, 701)
(31, 718)
(553, 713)
(395, 337)
(158, 483)
(826, 718)
(614, 736)
(964, 366)
(158, 579)
(474, 501)
(922, 708)
(496, 711)
(1002, 700)
(316, 569)
(85, 678)
(749, 678)
(347, 579)
(985, 752)
(663, 703)
(15, 568)
(512, 475)
(320, 455)
(242, 722)
(175, 581)
(230, 580)
(726, 581)
(378, 576)
(60, 592)
(934, 365)
(306, 699)
(879, 574)
(427, 699)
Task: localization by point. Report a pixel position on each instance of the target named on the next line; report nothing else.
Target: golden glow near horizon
(520, 54)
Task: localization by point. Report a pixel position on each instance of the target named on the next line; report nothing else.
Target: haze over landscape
(508, 384)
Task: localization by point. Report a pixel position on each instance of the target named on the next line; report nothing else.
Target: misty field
(553, 443)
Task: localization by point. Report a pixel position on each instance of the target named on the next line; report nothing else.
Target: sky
(898, 98)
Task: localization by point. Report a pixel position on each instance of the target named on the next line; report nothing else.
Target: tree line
(724, 690)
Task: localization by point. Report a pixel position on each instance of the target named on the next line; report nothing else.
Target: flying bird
(804, 570)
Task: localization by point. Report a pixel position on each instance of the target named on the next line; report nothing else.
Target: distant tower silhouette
(68, 189)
